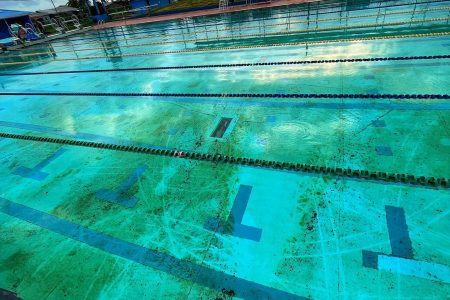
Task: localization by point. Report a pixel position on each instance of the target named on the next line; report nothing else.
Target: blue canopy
(9, 17)
(7, 14)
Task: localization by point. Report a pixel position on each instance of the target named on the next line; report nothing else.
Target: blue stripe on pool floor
(235, 218)
(401, 244)
(36, 172)
(402, 260)
(160, 261)
(105, 139)
(119, 196)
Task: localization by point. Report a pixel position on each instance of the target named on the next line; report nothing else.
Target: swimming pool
(314, 159)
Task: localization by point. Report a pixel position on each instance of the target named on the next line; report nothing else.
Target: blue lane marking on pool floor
(262, 141)
(160, 261)
(370, 259)
(44, 115)
(119, 196)
(402, 260)
(234, 220)
(36, 172)
(383, 150)
(398, 232)
(271, 119)
(173, 131)
(379, 123)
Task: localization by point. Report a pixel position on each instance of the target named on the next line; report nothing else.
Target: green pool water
(89, 223)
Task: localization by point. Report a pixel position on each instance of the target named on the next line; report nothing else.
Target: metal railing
(73, 21)
(223, 4)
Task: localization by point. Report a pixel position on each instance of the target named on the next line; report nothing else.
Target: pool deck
(199, 13)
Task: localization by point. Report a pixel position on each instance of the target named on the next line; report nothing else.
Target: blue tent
(98, 11)
(136, 4)
(9, 17)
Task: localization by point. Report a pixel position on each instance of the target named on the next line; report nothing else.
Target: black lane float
(425, 181)
(233, 95)
(247, 64)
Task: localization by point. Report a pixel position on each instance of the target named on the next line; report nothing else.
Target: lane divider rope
(320, 42)
(427, 181)
(248, 27)
(234, 95)
(284, 32)
(257, 64)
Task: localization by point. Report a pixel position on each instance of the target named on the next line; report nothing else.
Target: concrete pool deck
(199, 13)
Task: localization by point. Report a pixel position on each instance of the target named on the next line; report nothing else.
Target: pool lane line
(234, 95)
(278, 63)
(97, 35)
(364, 175)
(36, 172)
(231, 37)
(320, 42)
(185, 269)
(235, 218)
(401, 260)
(119, 196)
(401, 245)
(233, 28)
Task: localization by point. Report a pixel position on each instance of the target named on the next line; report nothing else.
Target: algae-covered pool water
(304, 131)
